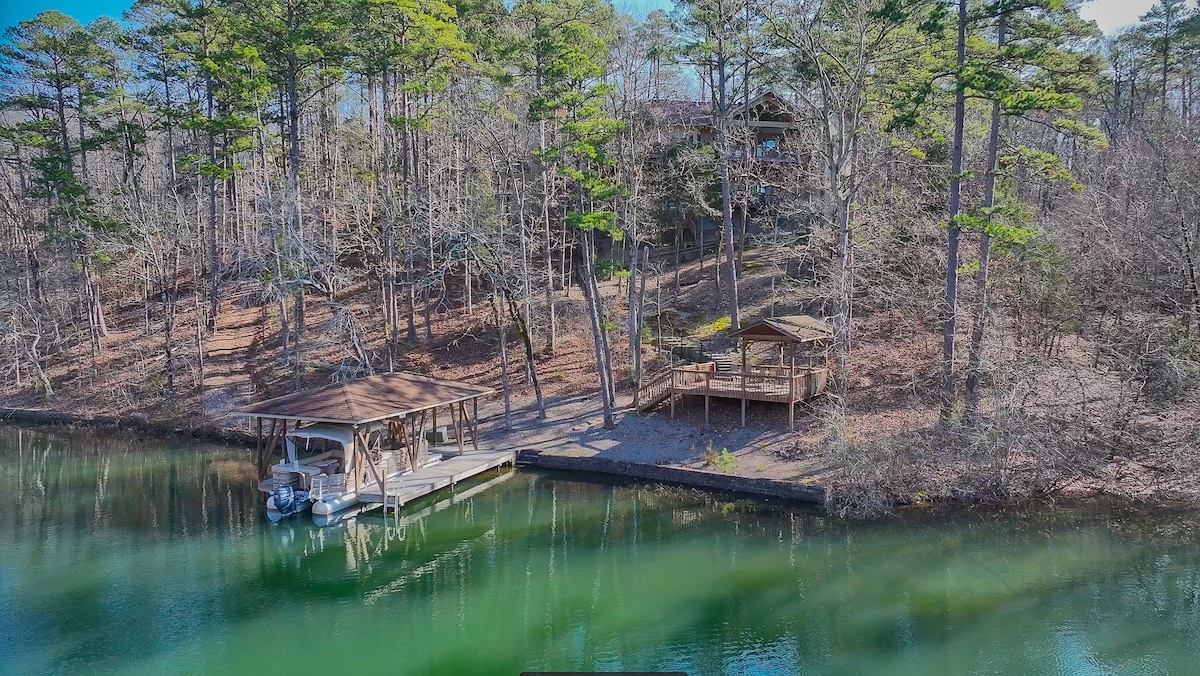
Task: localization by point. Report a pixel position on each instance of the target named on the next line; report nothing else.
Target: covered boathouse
(386, 439)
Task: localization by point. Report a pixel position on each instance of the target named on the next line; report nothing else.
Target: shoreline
(50, 417)
(808, 494)
(771, 489)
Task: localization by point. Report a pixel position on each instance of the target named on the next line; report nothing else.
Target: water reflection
(119, 555)
(73, 484)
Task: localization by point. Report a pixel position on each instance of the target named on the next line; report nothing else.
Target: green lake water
(126, 555)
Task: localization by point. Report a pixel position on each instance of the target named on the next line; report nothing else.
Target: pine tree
(568, 48)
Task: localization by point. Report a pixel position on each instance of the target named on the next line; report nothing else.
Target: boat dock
(402, 490)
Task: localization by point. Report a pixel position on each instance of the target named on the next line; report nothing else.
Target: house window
(768, 149)
(670, 207)
(767, 195)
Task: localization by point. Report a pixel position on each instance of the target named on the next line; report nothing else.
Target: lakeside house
(770, 191)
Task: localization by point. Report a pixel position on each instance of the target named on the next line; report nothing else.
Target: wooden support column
(456, 420)
(366, 456)
(792, 392)
(672, 393)
(745, 374)
(258, 445)
(418, 438)
(472, 426)
(413, 451)
(707, 387)
(264, 459)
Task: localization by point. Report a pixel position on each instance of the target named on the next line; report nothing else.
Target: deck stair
(683, 349)
(697, 353)
(724, 362)
(654, 390)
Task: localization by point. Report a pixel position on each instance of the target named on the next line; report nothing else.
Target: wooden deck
(777, 384)
(402, 490)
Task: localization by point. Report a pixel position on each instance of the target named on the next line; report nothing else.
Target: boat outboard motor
(284, 497)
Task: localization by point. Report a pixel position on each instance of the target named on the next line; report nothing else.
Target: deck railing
(691, 377)
(654, 389)
(762, 383)
(779, 384)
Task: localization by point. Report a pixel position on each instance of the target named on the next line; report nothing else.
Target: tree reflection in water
(125, 555)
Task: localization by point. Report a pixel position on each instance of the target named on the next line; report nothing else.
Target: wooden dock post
(268, 450)
(456, 420)
(359, 439)
(472, 425)
(258, 446)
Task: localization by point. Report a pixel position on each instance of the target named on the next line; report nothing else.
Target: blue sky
(13, 11)
(1110, 14)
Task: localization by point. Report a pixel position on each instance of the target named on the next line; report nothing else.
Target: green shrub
(606, 270)
(721, 324)
(722, 460)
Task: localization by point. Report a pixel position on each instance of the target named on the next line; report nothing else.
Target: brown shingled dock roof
(790, 329)
(366, 400)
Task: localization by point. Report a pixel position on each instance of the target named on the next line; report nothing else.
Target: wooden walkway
(405, 489)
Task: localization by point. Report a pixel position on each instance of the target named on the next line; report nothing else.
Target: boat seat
(324, 484)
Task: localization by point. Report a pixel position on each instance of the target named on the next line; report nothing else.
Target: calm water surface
(120, 555)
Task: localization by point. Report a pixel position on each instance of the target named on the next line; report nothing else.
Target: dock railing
(322, 485)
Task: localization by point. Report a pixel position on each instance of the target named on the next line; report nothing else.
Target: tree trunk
(504, 386)
(214, 272)
(516, 315)
(723, 104)
(950, 306)
(586, 276)
(979, 323)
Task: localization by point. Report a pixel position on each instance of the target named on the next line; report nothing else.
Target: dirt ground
(892, 387)
(574, 427)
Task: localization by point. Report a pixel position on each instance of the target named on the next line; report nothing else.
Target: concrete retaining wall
(768, 488)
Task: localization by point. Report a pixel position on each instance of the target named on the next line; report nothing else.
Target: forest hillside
(995, 207)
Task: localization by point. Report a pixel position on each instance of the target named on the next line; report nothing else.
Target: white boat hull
(334, 503)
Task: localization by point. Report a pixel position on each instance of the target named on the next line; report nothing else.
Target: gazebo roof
(366, 400)
(791, 329)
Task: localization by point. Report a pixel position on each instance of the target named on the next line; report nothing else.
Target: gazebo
(784, 383)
